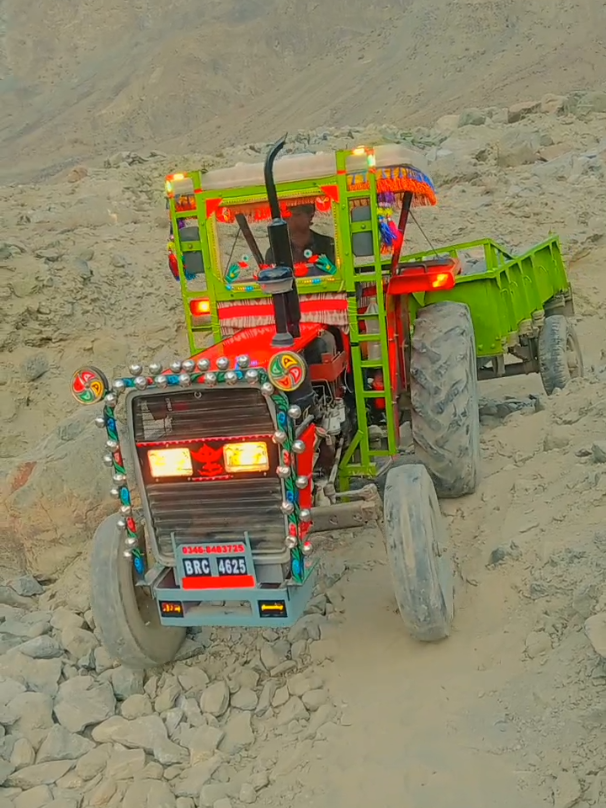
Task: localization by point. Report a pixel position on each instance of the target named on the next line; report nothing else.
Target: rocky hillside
(81, 80)
(508, 711)
(83, 277)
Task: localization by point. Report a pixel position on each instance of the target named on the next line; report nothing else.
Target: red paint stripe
(225, 582)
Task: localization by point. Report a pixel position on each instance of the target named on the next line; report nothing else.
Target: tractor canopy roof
(312, 166)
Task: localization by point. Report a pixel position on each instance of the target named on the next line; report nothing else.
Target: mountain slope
(82, 79)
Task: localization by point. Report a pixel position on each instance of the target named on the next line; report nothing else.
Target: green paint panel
(509, 292)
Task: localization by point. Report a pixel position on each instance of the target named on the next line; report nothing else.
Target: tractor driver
(303, 238)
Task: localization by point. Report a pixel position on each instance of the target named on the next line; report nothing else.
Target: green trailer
(312, 340)
(513, 300)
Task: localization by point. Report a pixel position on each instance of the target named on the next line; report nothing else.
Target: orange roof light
(199, 308)
(173, 178)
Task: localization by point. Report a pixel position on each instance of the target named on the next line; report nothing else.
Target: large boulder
(518, 147)
(54, 497)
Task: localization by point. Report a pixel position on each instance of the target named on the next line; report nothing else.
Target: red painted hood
(256, 343)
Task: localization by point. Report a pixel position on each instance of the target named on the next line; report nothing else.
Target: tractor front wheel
(560, 357)
(126, 615)
(417, 552)
(444, 398)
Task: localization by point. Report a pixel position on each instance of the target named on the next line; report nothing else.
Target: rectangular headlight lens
(245, 457)
(170, 462)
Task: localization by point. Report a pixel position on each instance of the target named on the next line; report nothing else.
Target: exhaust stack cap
(276, 280)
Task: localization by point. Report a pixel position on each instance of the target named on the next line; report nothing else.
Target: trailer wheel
(444, 398)
(126, 616)
(560, 357)
(418, 557)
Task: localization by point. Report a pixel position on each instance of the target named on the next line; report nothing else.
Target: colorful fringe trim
(397, 181)
(330, 309)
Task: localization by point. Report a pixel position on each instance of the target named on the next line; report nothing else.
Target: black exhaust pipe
(279, 280)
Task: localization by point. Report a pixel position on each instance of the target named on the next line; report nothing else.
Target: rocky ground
(77, 730)
(344, 709)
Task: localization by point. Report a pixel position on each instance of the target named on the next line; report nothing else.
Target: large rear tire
(560, 357)
(419, 559)
(126, 615)
(444, 398)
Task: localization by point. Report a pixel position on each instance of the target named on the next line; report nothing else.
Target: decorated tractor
(313, 342)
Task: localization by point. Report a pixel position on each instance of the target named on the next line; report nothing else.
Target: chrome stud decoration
(280, 437)
(307, 548)
(231, 377)
(203, 365)
(294, 412)
(189, 366)
(161, 381)
(298, 447)
(305, 515)
(291, 542)
(252, 376)
(302, 482)
(155, 368)
(175, 366)
(184, 379)
(287, 508)
(210, 379)
(283, 472)
(267, 389)
(223, 363)
(97, 390)
(243, 361)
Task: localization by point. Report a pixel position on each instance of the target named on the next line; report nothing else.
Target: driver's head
(300, 219)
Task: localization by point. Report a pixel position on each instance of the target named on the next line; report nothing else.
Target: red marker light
(199, 308)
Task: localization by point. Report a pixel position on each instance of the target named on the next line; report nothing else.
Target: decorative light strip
(89, 386)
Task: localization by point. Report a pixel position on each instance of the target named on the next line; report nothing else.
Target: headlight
(245, 457)
(170, 462)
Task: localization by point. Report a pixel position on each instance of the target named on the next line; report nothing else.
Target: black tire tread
(419, 559)
(124, 633)
(444, 398)
(553, 352)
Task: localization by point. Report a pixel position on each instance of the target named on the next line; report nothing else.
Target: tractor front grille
(222, 509)
(210, 413)
(208, 510)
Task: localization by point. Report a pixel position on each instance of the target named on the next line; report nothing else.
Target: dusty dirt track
(344, 710)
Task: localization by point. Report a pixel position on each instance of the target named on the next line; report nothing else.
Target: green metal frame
(510, 293)
(501, 299)
(359, 459)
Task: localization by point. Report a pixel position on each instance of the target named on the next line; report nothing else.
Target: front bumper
(262, 606)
